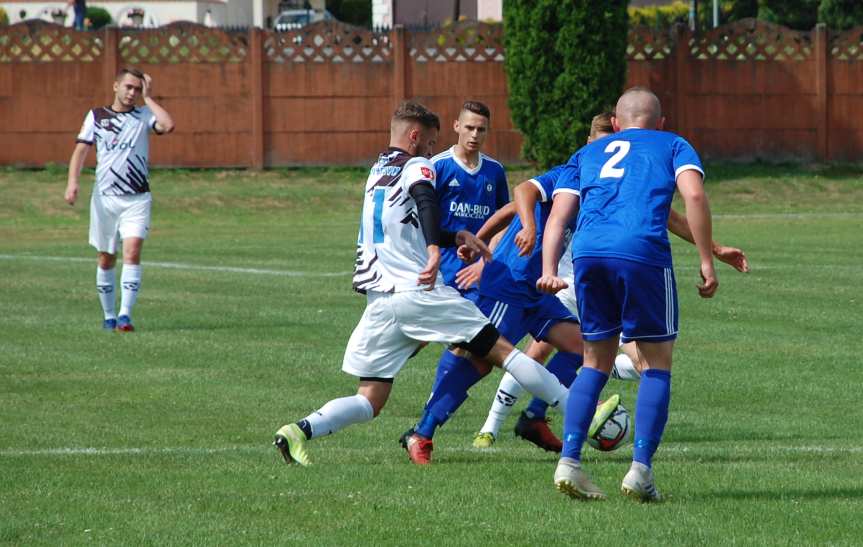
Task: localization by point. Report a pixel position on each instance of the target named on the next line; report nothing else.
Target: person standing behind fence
(120, 203)
(80, 12)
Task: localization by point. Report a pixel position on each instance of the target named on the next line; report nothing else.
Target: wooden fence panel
(323, 94)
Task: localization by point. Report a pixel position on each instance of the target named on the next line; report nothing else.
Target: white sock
(131, 281)
(624, 369)
(507, 394)
(534, 378)
(105, 288)
(339, 414)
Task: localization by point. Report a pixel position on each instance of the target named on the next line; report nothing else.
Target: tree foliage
(841, 14)
(99, 17)
(565, 62)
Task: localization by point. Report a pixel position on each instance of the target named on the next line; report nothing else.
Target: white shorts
(394, 324)
(110, 216)
(567, 296)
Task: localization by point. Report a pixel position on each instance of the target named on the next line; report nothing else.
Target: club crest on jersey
(106, 123)
(427, 173)
(489, 187)
(454, 183)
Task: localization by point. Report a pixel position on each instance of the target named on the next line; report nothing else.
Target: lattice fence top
(182, 43)
(648, 44)
(752, 40)
(847, 46)
(43, 42)
(462, 41)
(328, 42)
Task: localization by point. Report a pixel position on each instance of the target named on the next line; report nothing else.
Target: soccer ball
(613, 432)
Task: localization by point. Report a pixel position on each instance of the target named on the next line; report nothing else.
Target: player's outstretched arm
(563, 209)
(691, 187)
(732, 256)
(76, 163)
(164, 122)
(496, 223)
(526, 194)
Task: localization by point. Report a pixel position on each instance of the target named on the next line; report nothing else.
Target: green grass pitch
(163, 436)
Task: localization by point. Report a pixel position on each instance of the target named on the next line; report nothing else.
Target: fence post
(110, 61)
(400, 64)
(256, 88)
(681, 69)
(821, 100)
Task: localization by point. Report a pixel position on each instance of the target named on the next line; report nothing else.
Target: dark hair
(128, 70)
(477, 108)
(415, 112)
(601, 123)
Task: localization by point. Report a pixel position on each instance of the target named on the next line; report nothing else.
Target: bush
(565, 62)
(840, 14)
(659, 17)
(99, 17)
(355, 12)
(4, 19)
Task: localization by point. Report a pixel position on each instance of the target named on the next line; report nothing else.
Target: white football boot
(638, 483)
(570, 479)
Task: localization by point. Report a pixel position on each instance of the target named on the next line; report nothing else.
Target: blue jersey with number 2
(626, 182)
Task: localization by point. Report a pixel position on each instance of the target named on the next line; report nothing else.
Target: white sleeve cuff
(688, 167)
(541, 190)
(566, 191)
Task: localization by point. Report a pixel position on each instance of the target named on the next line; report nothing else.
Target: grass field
(163, 436)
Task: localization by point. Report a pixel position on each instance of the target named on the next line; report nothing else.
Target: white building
(259, 13)
(387, 13)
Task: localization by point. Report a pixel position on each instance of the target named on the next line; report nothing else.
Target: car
(297, 18)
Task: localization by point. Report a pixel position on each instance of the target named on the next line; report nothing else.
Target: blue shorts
(514, 322)
(617, 296)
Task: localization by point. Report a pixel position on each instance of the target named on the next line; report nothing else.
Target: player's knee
(107, 261)
(482, 344)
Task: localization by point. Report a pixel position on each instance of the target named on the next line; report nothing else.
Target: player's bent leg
(532, 376)
(291, 440)
(508, 392)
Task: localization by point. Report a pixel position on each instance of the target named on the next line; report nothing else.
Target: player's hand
(550, 284)
(733, 257)
(471, 247)
(525, 240)
(147, 86)
(707, 288)
(470, 276)
(71, 193)
(428, 276)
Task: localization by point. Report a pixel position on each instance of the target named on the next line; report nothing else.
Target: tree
(841, 14)
(565, 62)
(99, 17)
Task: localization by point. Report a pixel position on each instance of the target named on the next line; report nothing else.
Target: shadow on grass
(786, 494)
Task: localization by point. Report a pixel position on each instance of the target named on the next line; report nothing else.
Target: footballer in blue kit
(509, 298)
(470, 186)
(624, 280)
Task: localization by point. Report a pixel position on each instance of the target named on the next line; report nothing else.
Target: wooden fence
(323, 94)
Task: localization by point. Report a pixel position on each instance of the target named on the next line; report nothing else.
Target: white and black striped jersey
(391, 248)
(122, 148)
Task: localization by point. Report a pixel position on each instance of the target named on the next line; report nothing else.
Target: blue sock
(651, 413)
(564, 366)
(580, 408)
(445, 364)
(447, 396)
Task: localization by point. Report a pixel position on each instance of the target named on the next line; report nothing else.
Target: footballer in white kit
(120, 202)
(398, 256)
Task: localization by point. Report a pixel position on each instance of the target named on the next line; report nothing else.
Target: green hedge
(565, 62)
(4, 19)
(99, 17)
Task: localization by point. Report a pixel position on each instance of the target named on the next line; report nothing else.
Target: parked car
(298, 18)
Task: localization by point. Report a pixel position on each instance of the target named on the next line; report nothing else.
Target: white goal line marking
(183, 266)
(181, 450)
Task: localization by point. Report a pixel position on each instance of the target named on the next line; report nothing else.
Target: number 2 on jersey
(610, 169)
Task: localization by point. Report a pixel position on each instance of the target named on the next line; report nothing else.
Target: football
(614, 432)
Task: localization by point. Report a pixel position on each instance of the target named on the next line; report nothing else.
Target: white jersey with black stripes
(391, 248)
(122, 149)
